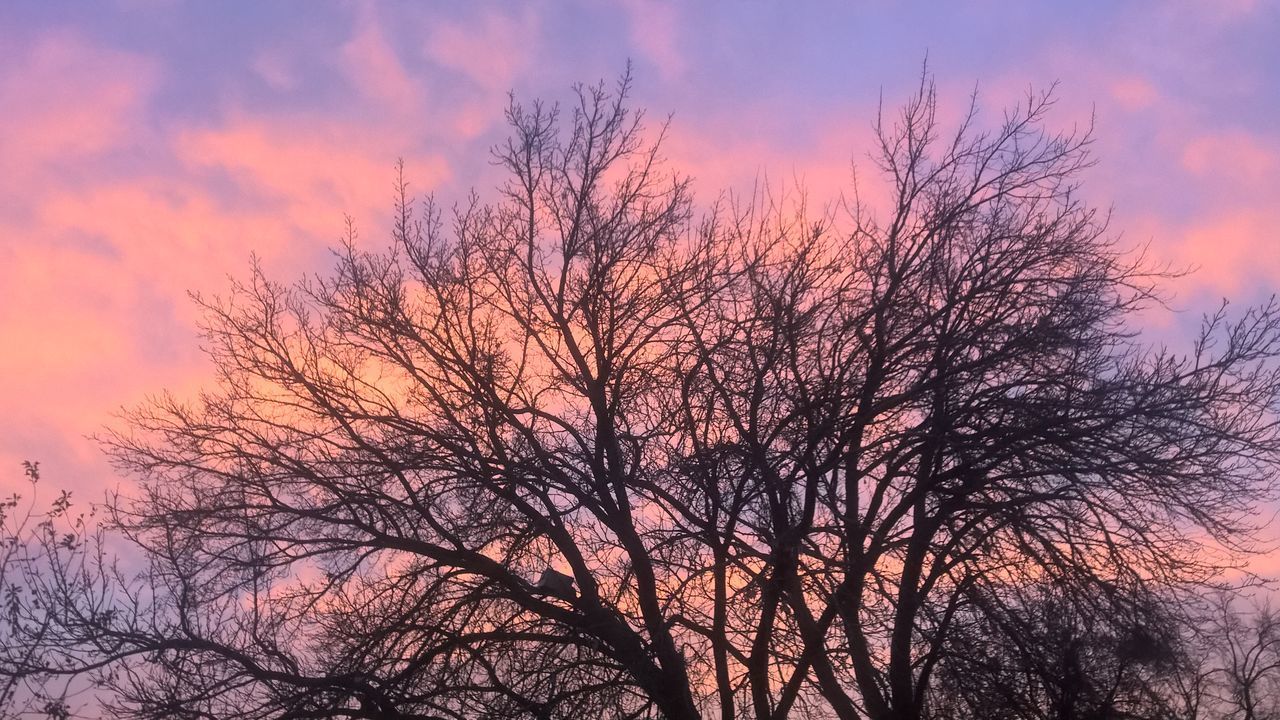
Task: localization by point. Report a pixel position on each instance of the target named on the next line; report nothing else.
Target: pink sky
(148, 147)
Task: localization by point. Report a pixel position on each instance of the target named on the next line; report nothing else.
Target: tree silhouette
(1231, 668)
(584, 452)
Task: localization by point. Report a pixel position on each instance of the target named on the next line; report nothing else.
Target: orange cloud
(373, 67)
(314, 172)
(1235, 158)
(1134, 93)
(653, 28)
(1232, 249)
(491, 52)
(65, 99)
(96, 257)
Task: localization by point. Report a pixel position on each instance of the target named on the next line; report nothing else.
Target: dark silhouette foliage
(582, 451)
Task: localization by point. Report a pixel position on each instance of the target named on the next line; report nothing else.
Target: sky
(150, 148)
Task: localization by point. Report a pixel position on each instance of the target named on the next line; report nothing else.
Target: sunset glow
(640, 359)
(150, 148)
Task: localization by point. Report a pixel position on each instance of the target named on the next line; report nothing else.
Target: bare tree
(1052, 656)
(42, 551)
(576, 452)
(1236, 673)
(16, 518)
(1250, 647)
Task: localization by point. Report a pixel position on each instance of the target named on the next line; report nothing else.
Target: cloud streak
(138, 168)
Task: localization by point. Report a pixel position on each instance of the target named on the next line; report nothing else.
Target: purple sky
(147, 147)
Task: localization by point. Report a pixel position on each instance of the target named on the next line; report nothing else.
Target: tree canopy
(589, 450)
